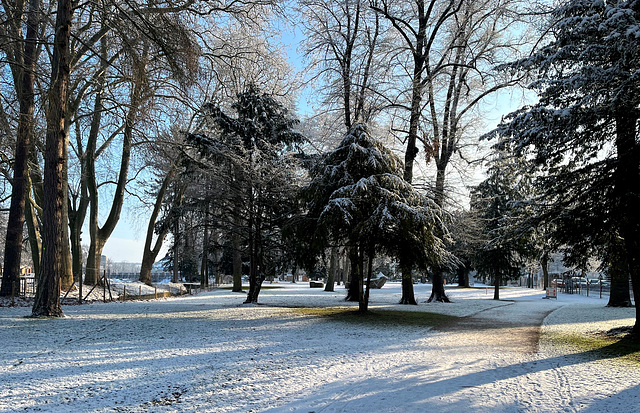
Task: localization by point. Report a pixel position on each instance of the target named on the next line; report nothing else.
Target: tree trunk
(35, 210)
(544, 263)
(498, 280)
(437, 288)
(47, 301)
(24, 74)
(66, 277)
(204, 266)
(176, 251)
(333, 269)
(353, 293)
(438, 293)
(463, 276)
(619, 292)
(35, 237)
(237, 263)
(149, 254)
(254, 225)
(408, 296)
(363, 306)
(627, 188)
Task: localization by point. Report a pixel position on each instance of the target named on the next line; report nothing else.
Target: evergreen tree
(505, 246)
(358, 197)
(249, 155)
(583, 132)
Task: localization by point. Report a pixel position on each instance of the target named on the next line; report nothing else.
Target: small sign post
(552, 291)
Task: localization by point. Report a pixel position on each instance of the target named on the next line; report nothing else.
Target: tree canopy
(582, 135)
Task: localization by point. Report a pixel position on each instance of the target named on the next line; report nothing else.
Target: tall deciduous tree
(345, 47)
(583, 132)
(47, 301)
(419, 25)
(21, 50)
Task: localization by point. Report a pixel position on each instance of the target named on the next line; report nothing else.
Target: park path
(210, 353)
(485, 362)
(512, 326)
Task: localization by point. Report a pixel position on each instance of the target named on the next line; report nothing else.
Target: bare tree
(419, 25)
(22, 51)
(345, 47)
(47, 301)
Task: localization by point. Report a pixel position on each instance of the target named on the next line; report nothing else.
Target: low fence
(25, 287)
(591, 290)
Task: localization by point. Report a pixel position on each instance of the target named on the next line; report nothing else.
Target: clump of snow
(208, 352)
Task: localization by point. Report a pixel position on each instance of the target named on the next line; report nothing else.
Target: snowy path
(209, 353)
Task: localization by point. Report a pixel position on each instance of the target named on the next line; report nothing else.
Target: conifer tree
(358, 197)
(583, 132)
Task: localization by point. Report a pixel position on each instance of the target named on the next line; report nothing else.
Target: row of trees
(228, 172)
(97, 80)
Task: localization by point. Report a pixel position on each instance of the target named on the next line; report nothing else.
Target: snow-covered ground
(210, 353)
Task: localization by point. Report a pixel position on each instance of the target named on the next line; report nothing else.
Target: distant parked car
(579, 281)
(597, 283)
(559, 282)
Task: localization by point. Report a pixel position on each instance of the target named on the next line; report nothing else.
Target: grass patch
(379, 317)
(599, 345)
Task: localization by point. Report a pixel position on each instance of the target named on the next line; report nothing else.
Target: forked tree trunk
(47, 301)
(100, 235)
(149, 253)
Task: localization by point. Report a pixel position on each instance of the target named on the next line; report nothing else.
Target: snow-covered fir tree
(248, 155)
(358, 197)
(583, 132)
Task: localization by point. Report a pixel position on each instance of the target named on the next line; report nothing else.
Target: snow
(209, 353)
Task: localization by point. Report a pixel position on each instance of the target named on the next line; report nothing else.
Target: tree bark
(237, 263)
(35, 209)
(176, 250)
(498, 280)
(627, 188)
(353, 293)
(364, 301)
(47, 301)
(149, 253)
(204, 266)
(333, 269)
(66, 276)
(408, 296)
(24, 75)
(544, 263)
(619, 292)
(437, 288)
